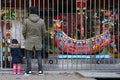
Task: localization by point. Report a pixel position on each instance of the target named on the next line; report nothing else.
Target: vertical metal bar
(104, 6)
(94, 26)
(67, 29)
(34, 3)
(95, 16)
(71, 27)
(1, 38)
(48, 18)
(10, 10)
(85, 30)
(90, 16)
(53, 15)
(95, 29)
(118, 31)
(58, 18)
(30, 3)
(81, 13)
(0, 11)
(114, 13)
(90, 26)
(20, 20)
(44, 9)
(71, 18)
(109, 9)
(57, 7)
(99, 19)
(10, 27)
(15, 17)
(76, 13)
(98, 8)
(39, 8)
(103, 2)
(22, 12)
(62, 29)
(58, 13)
(4, 34)
(86, 17)
(62, 15)
(104, 17)
(44, 13)
(113, 27)
(24, 8)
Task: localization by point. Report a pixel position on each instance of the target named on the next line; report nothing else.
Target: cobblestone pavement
(47, 76)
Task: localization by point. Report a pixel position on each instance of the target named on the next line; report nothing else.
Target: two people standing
(33, 30)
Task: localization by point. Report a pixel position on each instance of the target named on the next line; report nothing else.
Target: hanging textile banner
(69, 44)
(89, 46)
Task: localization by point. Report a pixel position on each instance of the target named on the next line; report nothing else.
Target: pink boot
(14, 68)
(19, 69)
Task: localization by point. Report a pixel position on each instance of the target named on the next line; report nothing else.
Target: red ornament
(58, 18)
(57, 23)
(81, 3)
(8, 33)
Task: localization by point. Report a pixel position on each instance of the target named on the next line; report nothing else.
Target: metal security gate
(80, 34)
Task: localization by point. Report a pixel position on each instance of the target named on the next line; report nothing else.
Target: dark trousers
(29, 59)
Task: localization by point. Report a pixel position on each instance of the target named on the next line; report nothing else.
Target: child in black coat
(16, 56)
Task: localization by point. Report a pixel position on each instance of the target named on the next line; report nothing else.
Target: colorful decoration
(81, 3)
(6, 54)
(7, 14)
(88, 46)
(57, 23)
(75, 45)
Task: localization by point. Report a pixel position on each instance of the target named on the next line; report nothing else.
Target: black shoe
(40, 73)
(28, 73)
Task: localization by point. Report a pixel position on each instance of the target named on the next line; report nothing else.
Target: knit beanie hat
(33, 10)
(14, 41)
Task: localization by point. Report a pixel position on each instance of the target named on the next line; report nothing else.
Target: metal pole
(0, 39)
(30, 3)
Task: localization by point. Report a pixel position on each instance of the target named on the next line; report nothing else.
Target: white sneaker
(28, 74)
(40, 73)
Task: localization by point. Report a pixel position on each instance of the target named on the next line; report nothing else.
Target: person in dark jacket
(16, 56)
(33, 30)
